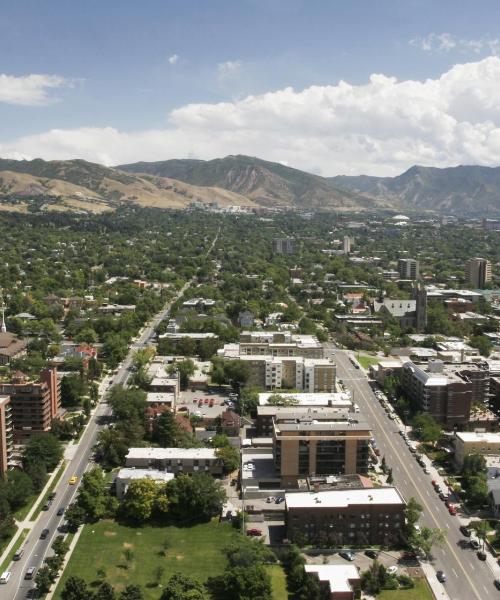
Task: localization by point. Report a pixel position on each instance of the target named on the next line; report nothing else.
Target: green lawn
(367, 361)
(278, 580)
(421, 591)
(14, 549)
(22, 513)
(133, 555)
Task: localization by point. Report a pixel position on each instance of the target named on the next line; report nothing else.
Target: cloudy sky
(330, 86)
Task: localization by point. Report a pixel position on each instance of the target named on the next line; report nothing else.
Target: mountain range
(243, 181)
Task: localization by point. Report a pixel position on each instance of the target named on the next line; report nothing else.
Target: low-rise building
(175, 460)
(11, 347)
(125, 476)
(345, 517)
(156, 404)
(471, 442)
(230, 423)
(341, 582)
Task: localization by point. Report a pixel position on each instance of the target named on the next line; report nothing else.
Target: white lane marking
(454, 572)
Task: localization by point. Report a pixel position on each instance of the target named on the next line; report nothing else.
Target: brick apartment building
(6, 434)
(34, 403)
(279, 343)
(322, 441)
(345, 517)
(445, 394)
(175, 460)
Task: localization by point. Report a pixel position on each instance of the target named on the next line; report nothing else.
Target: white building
(125, 476)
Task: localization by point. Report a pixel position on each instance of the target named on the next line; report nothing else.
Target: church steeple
(3, 327)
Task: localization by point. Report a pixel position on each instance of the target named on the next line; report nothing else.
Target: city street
(467, 577)
(36, 549)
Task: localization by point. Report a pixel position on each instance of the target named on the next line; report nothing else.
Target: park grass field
(367, 361)
(148, 556)
(421, 591)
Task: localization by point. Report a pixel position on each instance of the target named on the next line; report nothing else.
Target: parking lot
(212, 404)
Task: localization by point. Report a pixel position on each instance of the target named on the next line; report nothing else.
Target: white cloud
(230, 67)
(381, 127)
(174, 59)
(30, 90)
(446, 42)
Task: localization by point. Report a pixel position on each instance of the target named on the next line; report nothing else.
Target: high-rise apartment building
(478, 272)
(6, 434)
(284, 245)
(408, 268)
(322, 441)
(347, 244)
(34, 403)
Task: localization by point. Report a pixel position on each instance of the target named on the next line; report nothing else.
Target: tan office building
(478, 272)
(321, 442)
(470, 442)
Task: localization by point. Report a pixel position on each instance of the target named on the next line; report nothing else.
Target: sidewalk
(27, 523)
(438, 589)
(72, 546)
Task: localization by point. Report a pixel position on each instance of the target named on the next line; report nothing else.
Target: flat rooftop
(309, 399)
(129, 473)
(344, 498)
(171, 453)
(337, 576)
(474, 437)
(160, 397)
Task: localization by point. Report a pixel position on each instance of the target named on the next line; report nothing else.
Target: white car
(392, 570)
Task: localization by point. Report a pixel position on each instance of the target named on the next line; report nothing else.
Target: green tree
(104, 592)
(182, 587)
(230, 458)
(166, 431)
(143, 498)
(426, 428)
(18, 488)
(241, 583)
(44, 579)
(132, 592)
(185, 368)
(94, 497)
(43, 449)
(482, 343)
(412, 512)
(73, 387)
(75, 588)
(195, 498)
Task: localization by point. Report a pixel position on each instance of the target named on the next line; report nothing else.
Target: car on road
(5, 576)
(371, 553)
(464, 530)
(60, 511)
(46, 506)
(73, 480)
(19, 554)
(254, 532)
(426, 470)
(481, 555)
(392, 570)
(51, 496)
(452, 510)
(347, 555)
(441, 576)
(474, 543)
(30, 573)
(496, 582)
(44, 534)
(443, 496)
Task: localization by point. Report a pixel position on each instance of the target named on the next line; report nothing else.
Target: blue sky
(111, 62)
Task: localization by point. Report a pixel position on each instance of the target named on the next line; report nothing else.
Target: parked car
(347, 554)
(474, 543)
(464, 530)
(452, 510)
(60, 511)
(443, 496)
(497, 583)
(481, 555)
(371, 553)
(44, 534)
(270, 499)
(18, 555)
(441, 576)
(279, 499)
(392, 570)
(254, 532)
